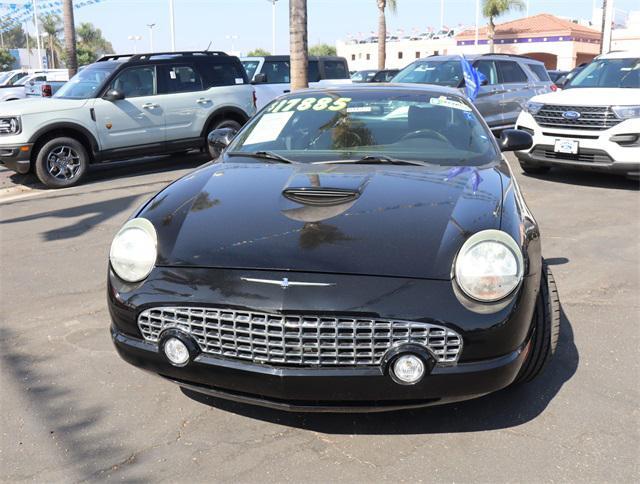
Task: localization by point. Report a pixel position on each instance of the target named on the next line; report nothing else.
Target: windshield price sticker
(450, 103)
(268, 128)
(310, 103)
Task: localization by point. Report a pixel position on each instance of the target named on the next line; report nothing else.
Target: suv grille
(585, 155)
(591, 117)
(299, 340)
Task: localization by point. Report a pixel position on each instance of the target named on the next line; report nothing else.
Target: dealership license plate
(569, 146)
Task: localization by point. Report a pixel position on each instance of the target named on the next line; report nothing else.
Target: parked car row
(37, 84)
(125, 106)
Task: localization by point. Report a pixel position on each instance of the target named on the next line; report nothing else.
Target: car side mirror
(219, 139)
(484, 82)
(114, 95)
(259, 78)
(514, 140)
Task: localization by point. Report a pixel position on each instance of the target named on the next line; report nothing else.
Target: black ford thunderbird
(350, 249)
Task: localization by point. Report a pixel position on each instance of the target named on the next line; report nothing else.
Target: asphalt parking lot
(73, 411)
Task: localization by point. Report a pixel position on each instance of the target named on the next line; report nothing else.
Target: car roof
(473, 57)
(619, 54)
(287, 57)
(385, 87)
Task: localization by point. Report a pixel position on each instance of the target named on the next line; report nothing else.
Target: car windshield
(88, 82)
(443, 73)
(421, 126)
(609, 73)
(250, 66)
(4, 76)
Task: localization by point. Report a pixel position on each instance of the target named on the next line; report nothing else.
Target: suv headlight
(533, 108)
(10, 125)
(489, 266)
(626, 112)
(134, 250)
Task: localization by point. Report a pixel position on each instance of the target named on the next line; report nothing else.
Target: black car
(351, 249)
(384, 76)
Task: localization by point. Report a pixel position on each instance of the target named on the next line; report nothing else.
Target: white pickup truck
(271, 76)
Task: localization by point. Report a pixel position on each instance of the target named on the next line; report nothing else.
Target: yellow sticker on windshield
(450, 103)
(310, 103)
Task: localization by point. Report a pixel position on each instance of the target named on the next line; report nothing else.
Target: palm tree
(495, 8)
(51, 26)
(298, 44)
(69, 37)
(382, 30)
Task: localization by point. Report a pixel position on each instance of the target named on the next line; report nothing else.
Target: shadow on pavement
(85, 217)
(71, 423)
(120, 169)
(507, 408)
(587, 179)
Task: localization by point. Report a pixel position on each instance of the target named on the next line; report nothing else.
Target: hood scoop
(321, 197)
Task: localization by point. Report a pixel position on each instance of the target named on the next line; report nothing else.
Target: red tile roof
(541, 24)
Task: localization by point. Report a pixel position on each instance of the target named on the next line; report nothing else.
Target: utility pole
(441, 15)
(172, 24)
(477, 21)
(69, 37)
(151, 26)
(37, 25)
(607, 21)
(273, 26)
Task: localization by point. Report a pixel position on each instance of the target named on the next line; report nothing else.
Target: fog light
(408, 369)
(176, 351)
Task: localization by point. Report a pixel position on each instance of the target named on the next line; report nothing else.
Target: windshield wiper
(263, 155)
(372, 159)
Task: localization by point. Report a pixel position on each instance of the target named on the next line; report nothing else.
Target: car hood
(403, 221)
(40, 105)
(586, 96)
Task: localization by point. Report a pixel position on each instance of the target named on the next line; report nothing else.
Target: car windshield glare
(609, 73)
(350, 125)
(442, 73)
(86, 83)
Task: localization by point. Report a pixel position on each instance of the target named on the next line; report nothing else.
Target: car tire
(61, 162)
(535, 169)
(224, 123)
(546, 328)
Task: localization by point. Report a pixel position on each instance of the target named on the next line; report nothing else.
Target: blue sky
(200, 21)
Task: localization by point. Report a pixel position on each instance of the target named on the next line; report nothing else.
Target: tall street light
(232, 38)
(37, 25)
(172, 24)
(151, 26)
(273, 26)
(135, 39)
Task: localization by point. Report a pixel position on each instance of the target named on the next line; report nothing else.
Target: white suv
(592, 124)
(125, 106)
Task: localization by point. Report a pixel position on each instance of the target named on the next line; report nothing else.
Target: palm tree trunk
(492, 34)
(298, 44)
(382, 35)
(69, 37)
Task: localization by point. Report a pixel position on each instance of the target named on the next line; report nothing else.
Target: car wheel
(225, 123)
(61, 162)
(535, 169)
(546, 328)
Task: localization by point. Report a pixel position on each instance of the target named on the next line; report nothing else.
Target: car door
(137, 121)
(516, 87)
(185, 101)
(490, 95)
(278, 78)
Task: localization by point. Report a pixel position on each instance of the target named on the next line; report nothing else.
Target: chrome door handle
(149, 106)
(203, 101)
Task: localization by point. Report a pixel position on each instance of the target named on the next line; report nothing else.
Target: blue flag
(472, 79)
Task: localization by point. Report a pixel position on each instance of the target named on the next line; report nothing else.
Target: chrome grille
(591, 117)
(585, 155)
(300, 340)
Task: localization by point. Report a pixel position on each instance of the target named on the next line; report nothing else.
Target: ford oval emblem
(571, 115)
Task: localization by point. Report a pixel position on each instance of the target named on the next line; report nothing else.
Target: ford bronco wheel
(61, 162)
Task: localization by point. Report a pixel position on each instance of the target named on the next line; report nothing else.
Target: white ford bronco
(125, 106)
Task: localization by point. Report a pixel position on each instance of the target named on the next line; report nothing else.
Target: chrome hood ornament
(285, 283)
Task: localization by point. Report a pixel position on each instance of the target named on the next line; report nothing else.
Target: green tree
(322, 49)
(91, 45)
(494, 8)
(7, 61)
(382, 29)
(15, 38)
(259, 52)
(52, 26)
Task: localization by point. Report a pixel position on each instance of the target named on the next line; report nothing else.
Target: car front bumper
(597, 151)
(495, 344)
(16, 157)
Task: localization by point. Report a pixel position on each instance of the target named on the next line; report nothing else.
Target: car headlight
(626, 112)
(10, 125)
(134, 250)
(533, 108)
(489, 266)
